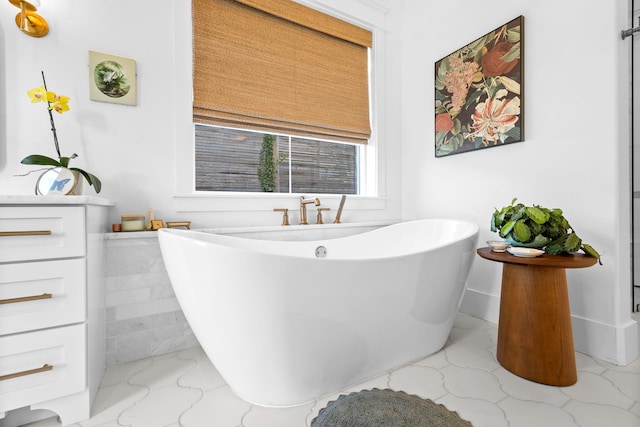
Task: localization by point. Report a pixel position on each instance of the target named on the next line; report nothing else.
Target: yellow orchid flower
(38, 94)
(51, 96)
(59, 107)
(60, 103)
(59, 98)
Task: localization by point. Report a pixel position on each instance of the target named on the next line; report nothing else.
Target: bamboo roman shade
(278, 66)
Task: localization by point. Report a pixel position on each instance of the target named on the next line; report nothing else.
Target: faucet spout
(303, 208)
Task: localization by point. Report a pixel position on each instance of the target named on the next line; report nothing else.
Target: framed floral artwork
(112, 78)
(479, 92)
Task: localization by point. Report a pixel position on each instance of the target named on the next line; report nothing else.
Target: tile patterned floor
(183, 389)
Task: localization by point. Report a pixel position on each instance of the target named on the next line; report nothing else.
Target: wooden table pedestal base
(535, 340)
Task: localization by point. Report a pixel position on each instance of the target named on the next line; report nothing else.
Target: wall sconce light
(27, 20)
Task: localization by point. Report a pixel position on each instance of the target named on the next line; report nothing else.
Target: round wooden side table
(535, 339)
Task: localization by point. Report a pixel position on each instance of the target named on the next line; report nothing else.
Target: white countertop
(23, 199)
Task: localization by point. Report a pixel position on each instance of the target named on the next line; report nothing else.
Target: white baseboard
(481, 305)
(611, 343)
(616, 344)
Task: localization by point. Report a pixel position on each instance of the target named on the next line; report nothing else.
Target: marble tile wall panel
(143, 315)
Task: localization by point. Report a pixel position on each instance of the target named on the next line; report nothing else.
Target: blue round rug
(389, 408)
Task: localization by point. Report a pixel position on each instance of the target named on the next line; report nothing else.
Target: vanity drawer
(36, 295)
(41, 232)
(42, 365)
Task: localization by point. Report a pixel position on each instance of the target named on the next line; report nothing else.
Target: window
(274, 72)
(236, 160)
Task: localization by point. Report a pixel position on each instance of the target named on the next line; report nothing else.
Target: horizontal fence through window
(229, 160)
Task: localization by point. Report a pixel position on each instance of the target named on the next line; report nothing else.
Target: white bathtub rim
(229, 241)
(232, 231)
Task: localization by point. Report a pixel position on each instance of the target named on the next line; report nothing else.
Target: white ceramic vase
(60, 181)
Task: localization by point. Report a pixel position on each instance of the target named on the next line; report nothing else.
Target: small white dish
(498, 245)
(525, 252)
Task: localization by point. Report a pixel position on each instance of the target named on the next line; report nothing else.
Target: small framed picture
(112, 78)
(157, 224)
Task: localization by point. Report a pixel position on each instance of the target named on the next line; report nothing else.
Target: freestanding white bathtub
(287, 322)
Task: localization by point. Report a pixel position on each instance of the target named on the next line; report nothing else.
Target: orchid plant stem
(53, 125)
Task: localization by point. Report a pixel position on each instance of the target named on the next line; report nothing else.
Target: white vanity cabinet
(52, 309)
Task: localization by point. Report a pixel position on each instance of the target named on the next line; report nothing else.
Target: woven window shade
(278, 66)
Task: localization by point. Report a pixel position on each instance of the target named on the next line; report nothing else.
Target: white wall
(575, 155)
(133, 150)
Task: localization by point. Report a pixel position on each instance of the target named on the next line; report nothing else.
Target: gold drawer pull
(25, 233)
(24, 299)
(45, 367)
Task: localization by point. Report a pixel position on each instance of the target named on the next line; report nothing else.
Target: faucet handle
(319, 217)
(285, 215)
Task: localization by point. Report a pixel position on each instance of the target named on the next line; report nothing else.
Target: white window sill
(243, 202)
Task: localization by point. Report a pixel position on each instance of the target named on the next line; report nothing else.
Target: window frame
(373, 172)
